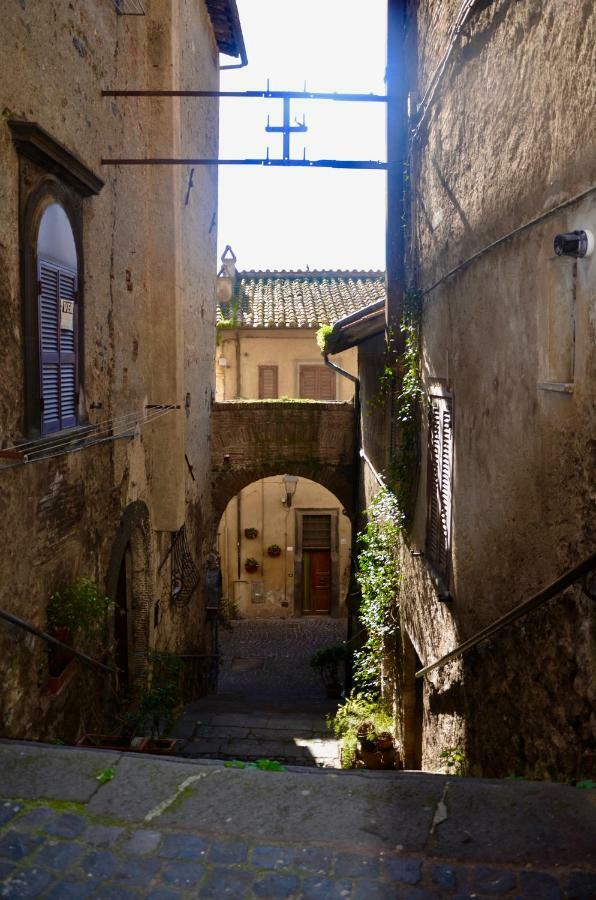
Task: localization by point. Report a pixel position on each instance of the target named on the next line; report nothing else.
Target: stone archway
(251, 440)
(129, 571)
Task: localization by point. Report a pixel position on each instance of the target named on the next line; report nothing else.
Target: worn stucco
(509, 138)
(271, 590)
(149, 263)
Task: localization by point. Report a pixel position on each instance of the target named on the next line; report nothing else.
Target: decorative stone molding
(37, 145)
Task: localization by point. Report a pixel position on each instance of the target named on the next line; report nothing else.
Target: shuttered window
(267, 382)
(316, 532)
(317, 383)
(440, 464)
(57, 289)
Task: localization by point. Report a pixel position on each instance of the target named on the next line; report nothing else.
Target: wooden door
(320, 582)
(121, 621)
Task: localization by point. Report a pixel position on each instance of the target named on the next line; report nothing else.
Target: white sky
(289, 218)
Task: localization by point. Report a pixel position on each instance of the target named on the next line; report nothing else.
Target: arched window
(57, 283)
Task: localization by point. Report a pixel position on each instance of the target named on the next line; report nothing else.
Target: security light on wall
(290, 483)
(576, 244)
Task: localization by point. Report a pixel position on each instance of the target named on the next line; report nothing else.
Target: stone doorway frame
(299, 556)
(134, 535)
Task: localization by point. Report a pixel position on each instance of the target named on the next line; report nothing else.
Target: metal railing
(44, 636)
(568, 578)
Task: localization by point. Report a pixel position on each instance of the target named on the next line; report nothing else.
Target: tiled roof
(299, 299)
(226, 26)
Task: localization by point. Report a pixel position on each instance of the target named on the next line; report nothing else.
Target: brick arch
(252, 440)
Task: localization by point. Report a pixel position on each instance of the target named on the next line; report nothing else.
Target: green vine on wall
(378, 569)
(378, 575)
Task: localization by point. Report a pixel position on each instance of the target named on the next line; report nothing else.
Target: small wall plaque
(66, 315)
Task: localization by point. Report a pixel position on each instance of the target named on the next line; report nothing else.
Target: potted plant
(75, 611)
(327, 662)
(251, 533)
(274, 550)
(251, 564)
(144, 728)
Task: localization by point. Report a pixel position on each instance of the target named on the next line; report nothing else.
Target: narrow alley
(270, 703)
(298, 449)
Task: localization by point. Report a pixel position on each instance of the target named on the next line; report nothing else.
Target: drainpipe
(397, 156)
(352, 615)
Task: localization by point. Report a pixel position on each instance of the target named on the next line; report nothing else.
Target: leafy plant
(160, 702)
(105, 775)
(586, 784)
(322, 335)
(352, 716)
(265, 765)
(274, 550)
(378, 575)
(327, 661)
(251, 564)
(81, 607)
(454, 760)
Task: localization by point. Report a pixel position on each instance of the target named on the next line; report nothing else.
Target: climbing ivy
(378, 569)
(409, 398)
(378, 575)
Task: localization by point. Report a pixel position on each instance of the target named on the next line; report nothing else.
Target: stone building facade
(501, 154)
(105, 415)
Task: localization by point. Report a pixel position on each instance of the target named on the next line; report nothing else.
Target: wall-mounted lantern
(226, 277)
(290, 483)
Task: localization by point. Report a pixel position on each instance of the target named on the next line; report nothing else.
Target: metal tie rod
(296, 163)
(254, 95)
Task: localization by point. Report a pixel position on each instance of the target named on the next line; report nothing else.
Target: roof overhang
(356, 328)
(226, 27)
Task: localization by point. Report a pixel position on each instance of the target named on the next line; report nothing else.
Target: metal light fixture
(290, 483)
(226, 277)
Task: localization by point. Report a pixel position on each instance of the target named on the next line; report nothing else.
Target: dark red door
(320, 582)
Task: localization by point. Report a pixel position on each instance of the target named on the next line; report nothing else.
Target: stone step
(169, 827)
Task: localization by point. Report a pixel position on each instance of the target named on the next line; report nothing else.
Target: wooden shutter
(440, 458)
(267, 382)
(317, 383)
(58, 349)
(316, 532)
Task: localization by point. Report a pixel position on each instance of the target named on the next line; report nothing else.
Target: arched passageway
(255, 440)
(284, 544)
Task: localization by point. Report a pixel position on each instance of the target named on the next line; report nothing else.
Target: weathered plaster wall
(287, 349)
(270, 592)
(508, 140)
(149, 260)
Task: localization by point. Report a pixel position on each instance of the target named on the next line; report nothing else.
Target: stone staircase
(91, 823)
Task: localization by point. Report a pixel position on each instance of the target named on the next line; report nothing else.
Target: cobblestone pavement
(165, 829)
(270, 702)
(48, 853)
(270, 658)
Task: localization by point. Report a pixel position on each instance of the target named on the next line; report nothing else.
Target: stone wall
(149, 309)
(511, 337)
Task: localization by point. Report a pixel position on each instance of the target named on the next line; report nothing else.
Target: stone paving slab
(477, 814)
(24, 771)
(200, 830)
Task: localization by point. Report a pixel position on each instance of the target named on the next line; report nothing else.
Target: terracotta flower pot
(112, 742)
(384, 741)
(56, 683)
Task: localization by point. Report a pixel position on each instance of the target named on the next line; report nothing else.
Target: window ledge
(558, 387)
